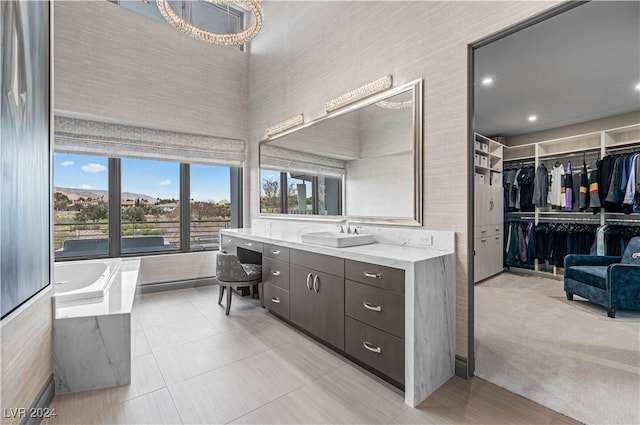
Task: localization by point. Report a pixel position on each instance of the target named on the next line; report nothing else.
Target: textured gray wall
(116, 65)
(311, 52)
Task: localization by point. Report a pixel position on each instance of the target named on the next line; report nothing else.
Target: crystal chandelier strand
(238, 38)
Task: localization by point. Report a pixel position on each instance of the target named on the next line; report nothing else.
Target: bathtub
(83, 279)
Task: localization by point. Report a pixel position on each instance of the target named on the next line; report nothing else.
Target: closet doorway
(555, 138)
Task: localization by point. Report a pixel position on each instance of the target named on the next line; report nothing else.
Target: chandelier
(237, 38)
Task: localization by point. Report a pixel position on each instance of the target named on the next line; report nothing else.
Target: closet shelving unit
(589, 147)
(488, 232)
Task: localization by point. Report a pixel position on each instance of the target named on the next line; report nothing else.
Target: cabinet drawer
(276, 252)
(375, 275)
(385, 352)
(326, 263)
(228, 243)
(377, 307)
(481, 231)
(275, 272)
(249, 244)
(276, 300)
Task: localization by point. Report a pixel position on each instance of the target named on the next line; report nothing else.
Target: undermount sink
(337, 240)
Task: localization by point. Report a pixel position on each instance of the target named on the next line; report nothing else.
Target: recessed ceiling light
(533, 118)
(487, 81)
(145, 1)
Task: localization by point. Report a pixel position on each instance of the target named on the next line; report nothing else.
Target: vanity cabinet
(317, 297)
(387, 308)
(275, 279)
(375, 317)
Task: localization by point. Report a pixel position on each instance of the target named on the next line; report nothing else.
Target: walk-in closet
(556, 163)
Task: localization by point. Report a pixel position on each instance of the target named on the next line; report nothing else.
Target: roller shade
(285, 160)
(72, 135)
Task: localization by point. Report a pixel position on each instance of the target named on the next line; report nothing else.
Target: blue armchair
(612, 282)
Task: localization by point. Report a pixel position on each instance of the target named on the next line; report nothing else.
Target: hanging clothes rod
(630, 221)
(624, 149)
(587, 152)
(595, 220)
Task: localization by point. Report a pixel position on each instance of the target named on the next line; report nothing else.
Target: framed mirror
(362, 162)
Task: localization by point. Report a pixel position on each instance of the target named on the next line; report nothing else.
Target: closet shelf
(481, 168)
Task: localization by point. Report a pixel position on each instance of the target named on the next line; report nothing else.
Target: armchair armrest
(589, 260)
(624, 286)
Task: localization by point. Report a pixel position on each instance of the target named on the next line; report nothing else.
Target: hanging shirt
(540, 184)
(630, 189)
(568, 194)
(584, 188)
(556, 195)
(594, 190)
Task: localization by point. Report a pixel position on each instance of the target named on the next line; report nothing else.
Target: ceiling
(578, 66)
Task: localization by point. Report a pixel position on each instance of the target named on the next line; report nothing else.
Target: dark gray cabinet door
(328, 311)
(301, 298)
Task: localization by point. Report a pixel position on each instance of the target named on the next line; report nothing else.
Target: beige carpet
(566, 355)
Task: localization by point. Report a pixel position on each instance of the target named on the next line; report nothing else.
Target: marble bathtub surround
(92, 337)
(429, 297)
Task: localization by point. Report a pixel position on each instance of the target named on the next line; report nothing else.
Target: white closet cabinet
(489, 211)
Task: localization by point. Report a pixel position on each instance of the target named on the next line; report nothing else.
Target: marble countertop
(378, 253)
(118, 297)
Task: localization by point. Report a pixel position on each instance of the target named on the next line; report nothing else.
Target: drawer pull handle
(497, 237)
(316, 283)
(275, 300)
(370, 347)
(372, 275)
(248, 243)
(372, 307)
(483, 231)
(483, 240)
(309, 281)
(275, 252)
(275, 272)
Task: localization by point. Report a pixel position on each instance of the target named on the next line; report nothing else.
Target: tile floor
(194, 365)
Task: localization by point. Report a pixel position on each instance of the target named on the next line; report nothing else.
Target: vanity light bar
(285, 125)
(359, 93)
(395, 105)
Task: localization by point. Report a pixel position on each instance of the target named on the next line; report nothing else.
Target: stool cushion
(253, 271)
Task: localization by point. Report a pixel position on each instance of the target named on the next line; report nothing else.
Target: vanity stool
(232, 274)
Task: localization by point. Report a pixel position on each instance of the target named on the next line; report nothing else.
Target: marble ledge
(379, 253)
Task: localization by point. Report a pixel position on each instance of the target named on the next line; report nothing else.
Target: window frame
(236, 188)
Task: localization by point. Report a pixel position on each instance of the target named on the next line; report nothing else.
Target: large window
(210, 205)
(80, 205)
(162, 206)
(150, 202)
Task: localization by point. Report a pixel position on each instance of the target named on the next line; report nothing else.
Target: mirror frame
(416, 220)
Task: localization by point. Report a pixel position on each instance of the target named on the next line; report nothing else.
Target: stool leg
(228, 301)
(220, 293)
(251, 290)
(261, 294)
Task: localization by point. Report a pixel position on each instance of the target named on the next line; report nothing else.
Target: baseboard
(462, 367)
(41, 403)
(170, 286)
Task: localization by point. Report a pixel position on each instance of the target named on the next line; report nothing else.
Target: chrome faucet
(342, 223)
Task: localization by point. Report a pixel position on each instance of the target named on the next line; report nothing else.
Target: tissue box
(478, 145)
(481, 179)
(483, 161)
(484, 147)
(476, 159)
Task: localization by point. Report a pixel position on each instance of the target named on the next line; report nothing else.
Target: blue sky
(157, 179)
